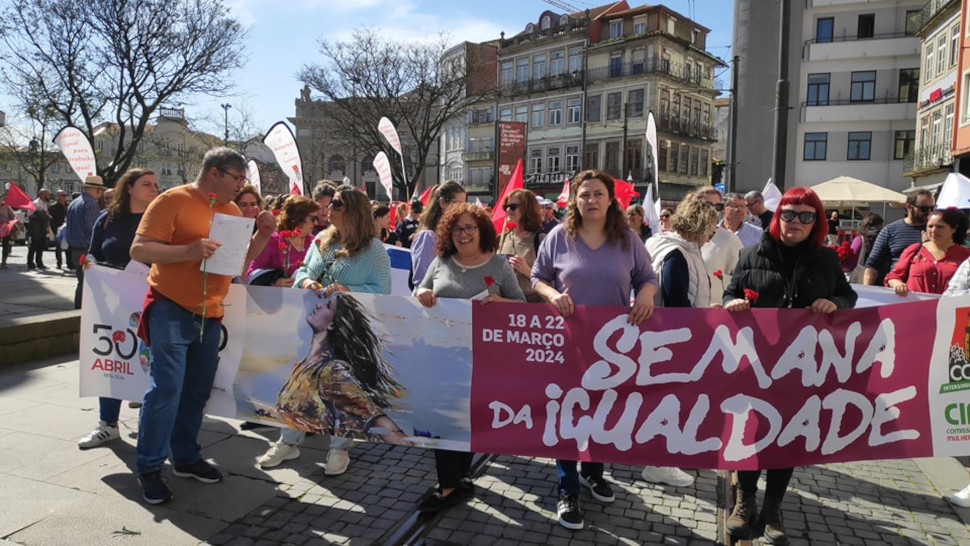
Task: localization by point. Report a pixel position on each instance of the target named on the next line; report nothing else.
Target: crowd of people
(706, 251)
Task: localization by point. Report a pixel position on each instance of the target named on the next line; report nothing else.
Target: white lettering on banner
(574, 415)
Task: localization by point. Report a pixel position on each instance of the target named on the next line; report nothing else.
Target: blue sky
(284, 36)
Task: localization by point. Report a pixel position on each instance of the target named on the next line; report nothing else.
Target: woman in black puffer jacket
(789, 268)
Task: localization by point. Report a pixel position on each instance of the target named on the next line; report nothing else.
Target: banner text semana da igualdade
(688, 388)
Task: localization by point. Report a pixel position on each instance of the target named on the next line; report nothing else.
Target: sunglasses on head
(336, 204)
(510, 207)
(805, 217)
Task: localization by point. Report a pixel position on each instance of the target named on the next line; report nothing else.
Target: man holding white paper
(180, 321)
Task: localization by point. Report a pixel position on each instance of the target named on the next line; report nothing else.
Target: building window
(572, 159)
(664, 105)
(859, 144)
(867, 25)
(635, 101)
(538, 115)
(593, 108)
(941, 55)
(613, 101)
(638, 61)
(908, 85)
(505, 114)
(616, 28)
(336, 163)
(639, 27)
(634, 156)
(954, 43)
(824, 28)
(818, 89)
(694, 160)
(545, 22)
(662, 156)
(507, 77)
(928, 63)
(575, 59)
(592, 159)
(912, 22)
(965, 99)
(903, 143)
(535, 161)
(522, 114)
(555, 112)
(557, 63)
(686, 112)
(671, 25)
(684, 158)
(574, 109)
(705, 163)
(863, 86)
(675, 114)
(937, 131)
(612, 158)
(553, 155)
(482, 115)
(948, 127)
(616, 65)
(815, 146)
(522, 70)
(538, 67)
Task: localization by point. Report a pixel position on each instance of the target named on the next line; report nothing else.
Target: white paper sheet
(234, 233)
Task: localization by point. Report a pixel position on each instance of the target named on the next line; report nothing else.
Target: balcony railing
(927, 158)
(853, 38)
(561, 81)
(930, 9)
(694, 129)
(850, 102)
(652, 65)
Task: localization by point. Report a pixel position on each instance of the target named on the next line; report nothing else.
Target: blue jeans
(295, 437)
(569, 477)
(183, 369)
(110, 409)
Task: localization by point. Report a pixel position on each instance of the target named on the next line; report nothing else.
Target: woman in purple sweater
(592, 258)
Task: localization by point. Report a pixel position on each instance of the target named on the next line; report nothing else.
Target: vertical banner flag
(252, 173)
(651, 215)
(511, 150)
(17, 199)
(383, 167)
(280, 140)
(652, 141)
(498, 214)
(386, 127)
(77, 150)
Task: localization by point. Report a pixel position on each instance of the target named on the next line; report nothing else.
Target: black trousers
(452, 466)
(776, 482)
(35, 251)
(73, 256)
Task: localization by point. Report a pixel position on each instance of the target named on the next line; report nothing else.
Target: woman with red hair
(789, 268)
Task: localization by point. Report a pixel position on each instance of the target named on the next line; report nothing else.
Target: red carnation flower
(719, 274)
(296, 232)
(285, 233)
(276, 212)
(282, 245)
(510, 225)
(489, 280)
(750, 295)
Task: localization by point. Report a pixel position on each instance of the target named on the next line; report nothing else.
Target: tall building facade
(854, 81)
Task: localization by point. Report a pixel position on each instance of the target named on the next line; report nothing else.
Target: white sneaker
(960, 498)
(278, 452)
(668, 475)
(104, 433)
(337, 462)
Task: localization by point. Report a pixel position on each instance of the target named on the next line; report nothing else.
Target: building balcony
(477, 155)
(692, 129)
(897, 44)
(887, 109)
(932, 8)
(926, 159)
(652, 65)
(548, 83)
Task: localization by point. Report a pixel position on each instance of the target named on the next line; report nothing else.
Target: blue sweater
(367, 271)
(111, 243)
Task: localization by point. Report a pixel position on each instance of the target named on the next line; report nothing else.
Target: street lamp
(226, 107)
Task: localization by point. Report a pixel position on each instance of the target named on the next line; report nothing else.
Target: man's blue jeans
(569, 476)
(182, 371)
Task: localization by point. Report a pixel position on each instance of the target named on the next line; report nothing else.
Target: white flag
(252, 173)
(390, 133)
(280, 141)
(652, 141)
(77, 150)
(772, 196)
(383, 167)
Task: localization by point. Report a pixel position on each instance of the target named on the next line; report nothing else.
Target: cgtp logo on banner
(77, 150)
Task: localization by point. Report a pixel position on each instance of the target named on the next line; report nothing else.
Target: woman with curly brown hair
(592, 258)
(466, 267)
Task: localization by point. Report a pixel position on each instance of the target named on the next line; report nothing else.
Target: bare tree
(37, 128)
(368, 77)
(118, 61)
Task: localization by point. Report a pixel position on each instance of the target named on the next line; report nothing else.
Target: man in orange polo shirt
(173, 237)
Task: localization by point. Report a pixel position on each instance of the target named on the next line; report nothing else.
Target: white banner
(252, 173)
(390, 133)
(281, 142)
(77, 150)
(383, 167)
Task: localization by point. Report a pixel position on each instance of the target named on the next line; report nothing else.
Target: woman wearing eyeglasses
(666, 216)
(521, 242)
(466, 267)
(345, 257)
(789, 268)
(928, 267)
(592, 258)
(423, 245)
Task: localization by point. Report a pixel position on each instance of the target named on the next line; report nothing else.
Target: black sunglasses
(805, 217)
(925, 209)
(665, 216)
(718, 206)
(510, 207)
(336, 204)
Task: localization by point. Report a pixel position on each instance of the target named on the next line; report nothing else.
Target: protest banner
(692, 388)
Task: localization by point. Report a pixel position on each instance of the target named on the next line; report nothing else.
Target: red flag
(425, 195)
(17, 199)
(515, 183)
(393, 221)
(624, 192)
(563, 198)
